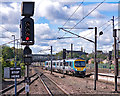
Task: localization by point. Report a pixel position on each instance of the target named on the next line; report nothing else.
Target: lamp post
(15, 66)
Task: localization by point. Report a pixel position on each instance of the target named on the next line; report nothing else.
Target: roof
(66, 60)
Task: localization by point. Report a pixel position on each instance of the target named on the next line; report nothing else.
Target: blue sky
(49, 15)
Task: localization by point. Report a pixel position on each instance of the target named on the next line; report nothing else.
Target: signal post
(64, 57)
(27, 37)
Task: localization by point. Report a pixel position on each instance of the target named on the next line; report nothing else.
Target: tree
(7, 53)
(85, 57)
(7, 57)
(59, 55)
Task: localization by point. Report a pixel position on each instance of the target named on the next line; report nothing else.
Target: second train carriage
(75, 66)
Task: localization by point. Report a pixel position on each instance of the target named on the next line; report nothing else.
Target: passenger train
(75, 66)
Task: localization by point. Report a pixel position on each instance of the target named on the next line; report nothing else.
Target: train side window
(57, 63)
(60, 63)
(54, 63)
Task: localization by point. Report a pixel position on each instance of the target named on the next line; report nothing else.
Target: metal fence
(102, 66)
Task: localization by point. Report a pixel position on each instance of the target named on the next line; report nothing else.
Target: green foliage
(7, 52)
(59, 55)
(102, 56)
(85, 57)
(91, 55)
(92, 61)
(7, 57)
(12, 63)
(76, 55)
(22, 65)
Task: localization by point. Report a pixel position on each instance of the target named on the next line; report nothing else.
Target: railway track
(51, 87)
(20, 87)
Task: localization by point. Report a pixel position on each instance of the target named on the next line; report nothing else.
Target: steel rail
(12, 86)
(48, 90)
(22, 89)
(45, 86)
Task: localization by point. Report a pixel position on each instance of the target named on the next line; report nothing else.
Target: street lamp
(101, 32)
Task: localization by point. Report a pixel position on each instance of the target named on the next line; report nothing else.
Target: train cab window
(47, 63)
(79, 63)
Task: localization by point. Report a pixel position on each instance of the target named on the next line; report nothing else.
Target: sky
(49, 15)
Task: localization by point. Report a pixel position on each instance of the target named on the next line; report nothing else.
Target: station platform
(107, 77)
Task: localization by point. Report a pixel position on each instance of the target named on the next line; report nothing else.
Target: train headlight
(76, 68)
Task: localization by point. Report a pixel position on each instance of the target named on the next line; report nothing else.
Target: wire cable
(102, 26)
(71, 16)
(87, 15)
(73, 13)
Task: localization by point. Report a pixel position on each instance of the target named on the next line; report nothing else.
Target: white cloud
(10, 13)
(57, 13)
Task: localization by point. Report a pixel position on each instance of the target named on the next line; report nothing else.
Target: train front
(80, 67)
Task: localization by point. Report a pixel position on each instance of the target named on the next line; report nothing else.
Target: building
(90, 61)
(78, 52)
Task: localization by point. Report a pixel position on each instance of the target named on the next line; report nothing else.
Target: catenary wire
(73, 13)
(87, 15)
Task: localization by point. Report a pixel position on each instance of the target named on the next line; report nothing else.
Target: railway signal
(64, 53)
(27, 23)
(27, 31)
(27, 36)
(64, 57)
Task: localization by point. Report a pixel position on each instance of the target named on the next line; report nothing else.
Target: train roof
(66, 60)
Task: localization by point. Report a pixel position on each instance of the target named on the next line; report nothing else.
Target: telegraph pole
(64, 57)
(71, 50)
(51, 59)
(95, 60)
(115, 55)
(115, 59)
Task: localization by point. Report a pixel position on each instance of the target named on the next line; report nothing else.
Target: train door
(70, 66)
(66, 66)
(61, 66)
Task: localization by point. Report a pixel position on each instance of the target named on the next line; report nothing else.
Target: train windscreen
(79, 63)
